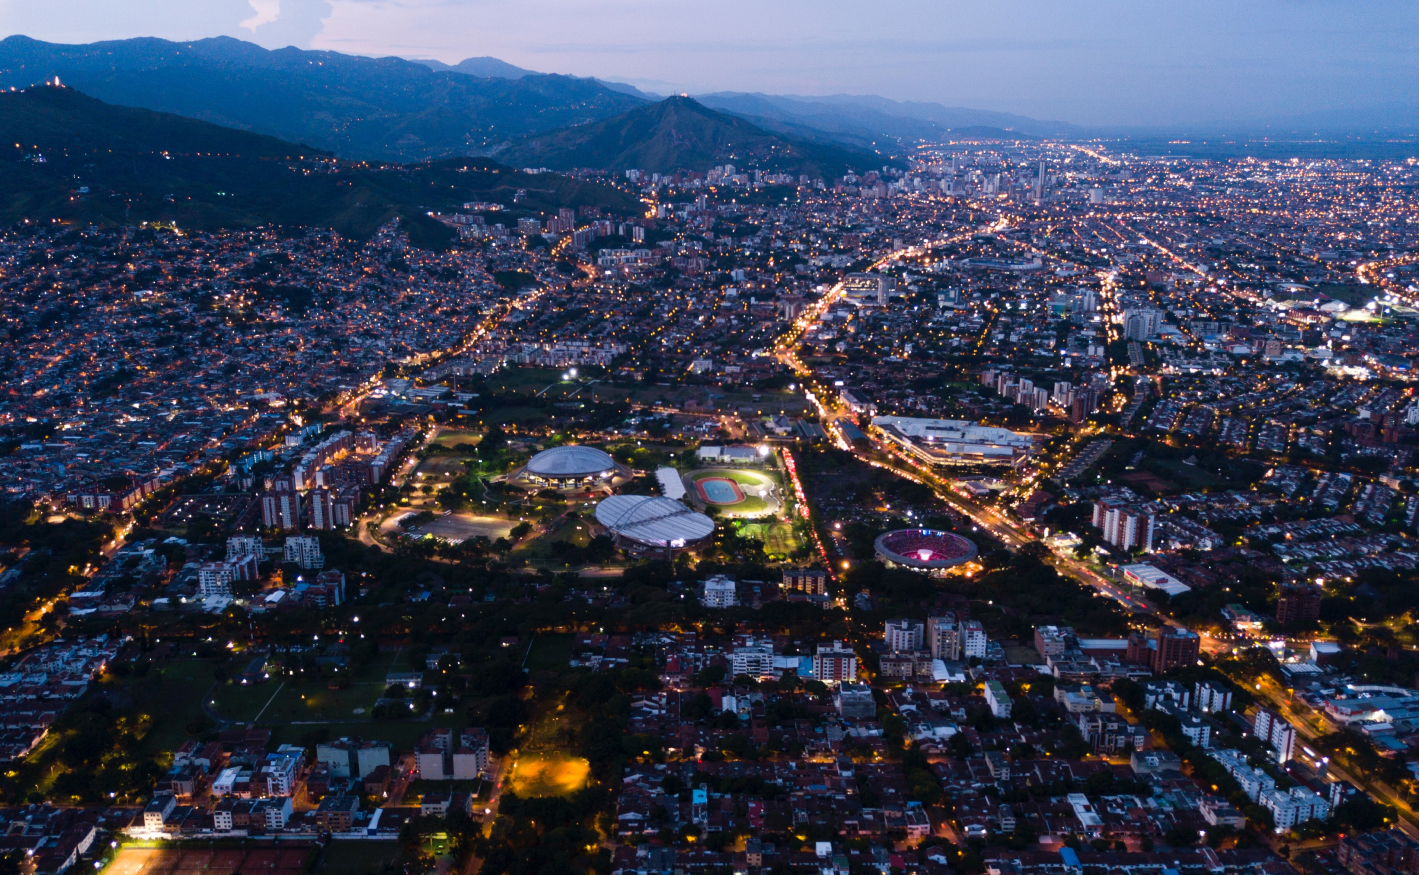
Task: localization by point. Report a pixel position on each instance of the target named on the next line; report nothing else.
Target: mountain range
(681, 133)
(867, 120)
(80, 160)
(378, 109)
(391, 109)
(488, 68)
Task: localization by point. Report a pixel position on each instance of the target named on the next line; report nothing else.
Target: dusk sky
(1082, 61)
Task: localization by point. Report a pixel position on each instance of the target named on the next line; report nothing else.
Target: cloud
(266, 11)
(297, 23)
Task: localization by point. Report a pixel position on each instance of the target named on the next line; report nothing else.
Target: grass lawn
(452, 437)
(523, 379)
(778, 536)
(439, 470)
(242, 704)
(550, 653)
(1192, 475)
(514, 415)
(358, 857)
(301, 702)
(574, 532)
(1016, 654)
(183, 683)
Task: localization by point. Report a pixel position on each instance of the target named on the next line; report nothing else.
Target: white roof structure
(653, 519)
(956, 431)
(671, 486)
(1153, 578)
(571, 461)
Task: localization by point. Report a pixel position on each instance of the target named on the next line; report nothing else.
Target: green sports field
(734, 491)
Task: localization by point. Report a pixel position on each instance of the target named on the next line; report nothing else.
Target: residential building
(1298, 602)
(276, 812)
(904, 636)
(1173, 647)
(1276, 733)
(719, 592)
(1110, 733)
(973, 640)
(1254, 782)
(305, 552)
(753, 658)
(1123, 526)
(855, 702)
(470, 758)
(1210, 697)
(156, 812)
(336, 814)
(214, 579)
(834, 663)
(813, 581)
(997, 698)
(430, 762)
(1053, 641)
(1296, 806)
(281, 510)
(944, 637)
(1382, 852)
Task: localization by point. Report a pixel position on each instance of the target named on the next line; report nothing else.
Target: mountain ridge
(858, 118)
(381, 109)
(679, 133)
(81, 160)
(485, 67)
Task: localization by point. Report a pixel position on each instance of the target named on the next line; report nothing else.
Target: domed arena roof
(653, 519)
(572, 461)
(924, 548)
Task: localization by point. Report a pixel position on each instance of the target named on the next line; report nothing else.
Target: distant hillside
(867, 119)
(143, 166)
(493, 68)
(385, 109)
(680, 134)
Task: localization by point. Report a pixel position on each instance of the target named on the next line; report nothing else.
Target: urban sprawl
(1018, 508)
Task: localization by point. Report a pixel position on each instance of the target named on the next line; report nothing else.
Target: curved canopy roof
(573, 461)
(653, 519)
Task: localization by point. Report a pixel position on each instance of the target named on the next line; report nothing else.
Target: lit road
(831, 410)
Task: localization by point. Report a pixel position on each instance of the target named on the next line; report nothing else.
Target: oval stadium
(570, 467)
(652, 524)
(923, 549)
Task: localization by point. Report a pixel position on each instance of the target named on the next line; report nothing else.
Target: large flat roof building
(956, 441)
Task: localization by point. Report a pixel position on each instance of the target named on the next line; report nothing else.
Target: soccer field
(735, 492)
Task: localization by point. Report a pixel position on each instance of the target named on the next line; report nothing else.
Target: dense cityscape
(1017, 506)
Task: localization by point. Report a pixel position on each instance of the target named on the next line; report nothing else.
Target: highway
(995, 522)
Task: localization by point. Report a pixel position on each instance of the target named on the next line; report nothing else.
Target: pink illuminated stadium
(924, 549)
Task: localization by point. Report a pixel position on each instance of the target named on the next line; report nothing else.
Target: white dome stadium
(571, 467)
(572, 461)
(653, 521)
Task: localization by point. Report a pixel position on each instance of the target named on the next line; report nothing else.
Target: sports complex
(735, 492)
(653, 524)
(572, 468)
(924, 550)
